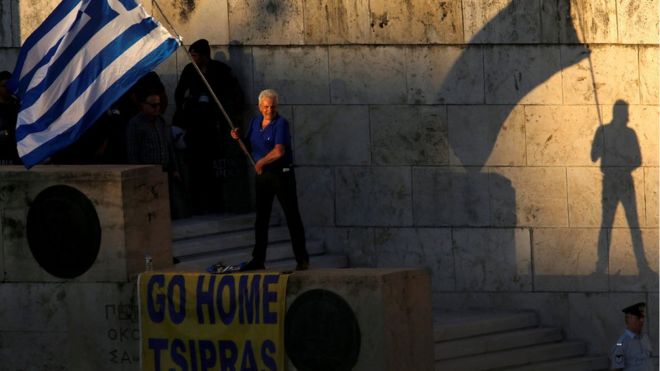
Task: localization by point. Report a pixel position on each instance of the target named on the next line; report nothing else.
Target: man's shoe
(252, 266)
(302, 266)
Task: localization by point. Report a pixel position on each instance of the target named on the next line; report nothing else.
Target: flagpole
(206, 83)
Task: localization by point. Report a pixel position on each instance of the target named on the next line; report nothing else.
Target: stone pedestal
(391, 308)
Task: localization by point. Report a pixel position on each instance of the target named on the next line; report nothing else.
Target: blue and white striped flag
(76, 64)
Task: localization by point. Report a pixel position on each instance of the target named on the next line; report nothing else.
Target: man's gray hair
(269, 93)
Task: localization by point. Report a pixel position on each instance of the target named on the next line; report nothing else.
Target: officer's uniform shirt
(632, 352)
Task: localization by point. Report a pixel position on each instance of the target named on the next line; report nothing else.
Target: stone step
(449, 325)
(568, 364)
(198, 226)
(496, 342)
(275, 252)
(514, 357)
(315, 262)
(224, 242)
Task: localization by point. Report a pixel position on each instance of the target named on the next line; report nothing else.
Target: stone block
(31, 14)
(502, 21)
(643, 122)
(416, 22)
(634, 260)
(560, 135)
(266, 22)
(522, 74)
(336, 22)
(550, 23)
(651, 196)
(241, 61)
(50, 322)
(597, 320)
(392, 308)
(446, 197)
(409, 135)
(316, 195)
(601, 74)
(565, 260)
(8, 57)
(486, 135)
(332, 135)
(377, 196)
(586, 199)
(637, 21)
(445, 74)
(589, 22)
(367, 75)
(10, 27)
(300, 75)
(648, 74)
(194, 20)
(652, 316)
(540, 197)
(131, 203)
(492, 259)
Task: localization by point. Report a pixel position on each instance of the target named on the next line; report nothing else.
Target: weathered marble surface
(194, 20)
(409, 135)
(560, 135)
(634, 268)
(540, 197)
(585, 196)
(316, 195)
(373, 196)
(565, 260)
(486, 135)
(492, 259)
(445, 74)
(415, 22)
(31, 14)
(648, 74)
(336, 22)
(594, 21)
(325, 135)
(10, 26)
(503, 21)
(300, 75)
(601, 75)
(367, 75)
(651, 196)
(447, 197)
(266, 22)
(637, 21)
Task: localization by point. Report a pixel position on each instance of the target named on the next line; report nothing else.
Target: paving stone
(527, 74)
(637, 21)
(585, 196)
(445, 74)
(612, 82)
(266, 22)
(367, 75)
(332, 135)
(502, 21)
(565, 260)
(300, 75)
(336, 22)
(492, 259)
(446, 197)
(486, 135)
(415, 22)
(377, 196)
(560, 135)
(540, 197)
(409, 135)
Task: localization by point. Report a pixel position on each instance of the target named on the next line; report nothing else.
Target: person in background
(632, 351)
(270, 141)
(8, 115)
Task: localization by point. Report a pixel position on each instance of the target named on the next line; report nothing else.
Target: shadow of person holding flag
(617, 147)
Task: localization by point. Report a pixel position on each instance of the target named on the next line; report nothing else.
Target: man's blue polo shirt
(263, 141)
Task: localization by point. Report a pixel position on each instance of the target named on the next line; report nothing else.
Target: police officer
(632, 352)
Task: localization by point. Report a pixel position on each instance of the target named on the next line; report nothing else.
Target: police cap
(635, 309)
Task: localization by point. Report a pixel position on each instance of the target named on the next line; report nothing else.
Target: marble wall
(477, 138)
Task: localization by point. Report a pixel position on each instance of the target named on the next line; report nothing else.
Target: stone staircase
(201, 241)
(506, 341)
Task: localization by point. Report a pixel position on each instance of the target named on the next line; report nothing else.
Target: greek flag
(77, 63)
